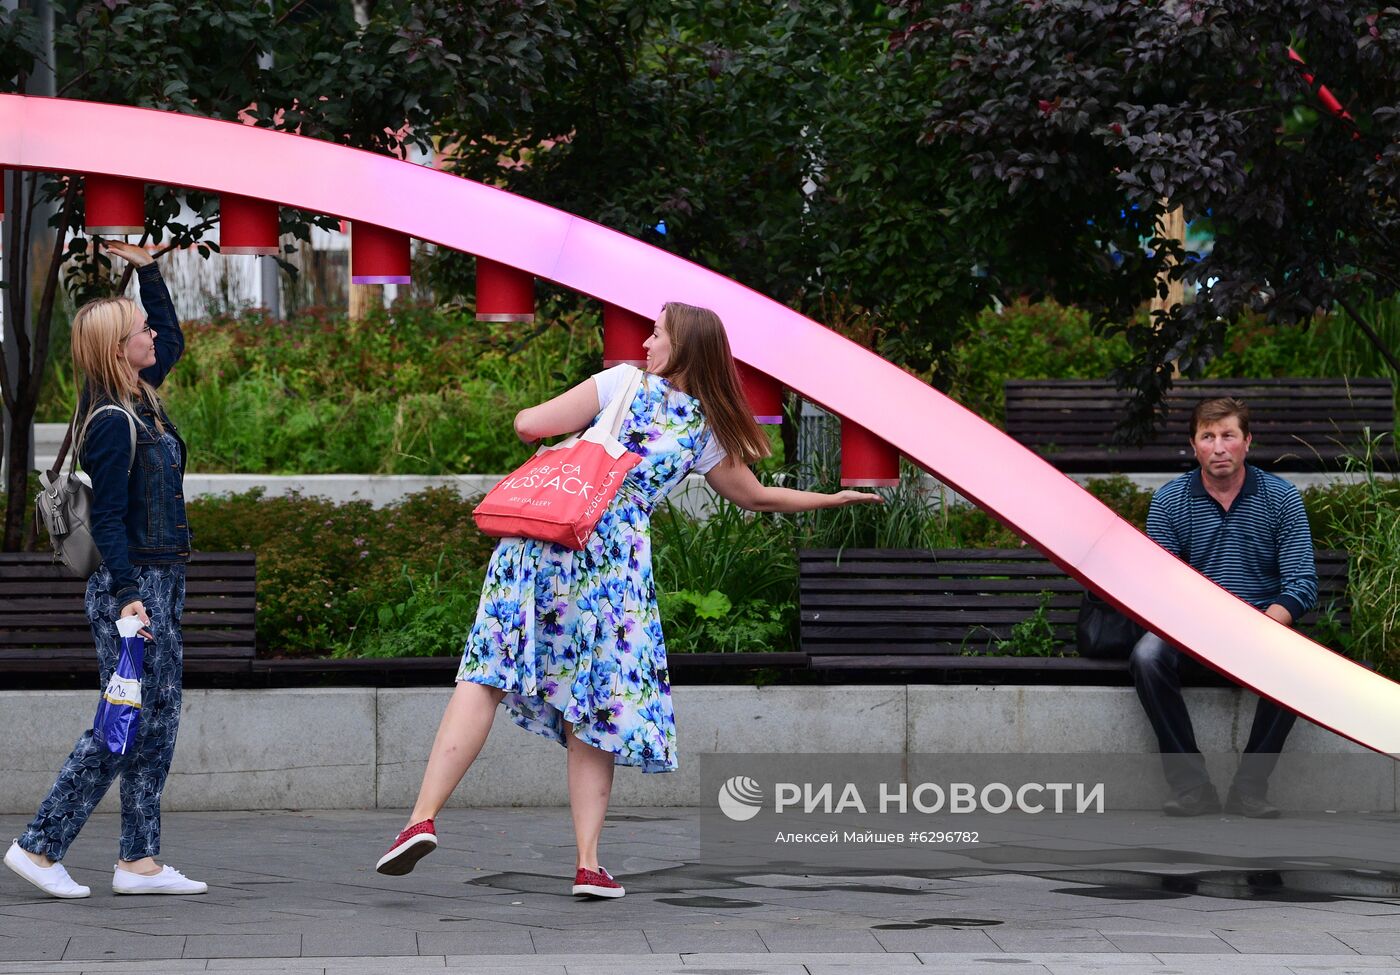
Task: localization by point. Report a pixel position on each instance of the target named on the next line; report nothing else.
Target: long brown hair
(702, 365)
(99, 329)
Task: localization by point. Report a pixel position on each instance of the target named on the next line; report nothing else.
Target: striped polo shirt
(1261, 549)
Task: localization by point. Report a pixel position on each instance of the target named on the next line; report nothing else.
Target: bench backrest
(955, 601)
(42, 613)
(1297, 424)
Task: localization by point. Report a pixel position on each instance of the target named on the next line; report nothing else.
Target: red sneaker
(596, 883)
(410, 846)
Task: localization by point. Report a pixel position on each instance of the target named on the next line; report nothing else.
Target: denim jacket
(138, 518)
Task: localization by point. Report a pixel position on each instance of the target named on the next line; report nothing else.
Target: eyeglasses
(144, 329)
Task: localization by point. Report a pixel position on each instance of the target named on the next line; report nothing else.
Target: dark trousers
(1156, 669)
(91, 768)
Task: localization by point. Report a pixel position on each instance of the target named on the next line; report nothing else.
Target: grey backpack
(64, 505)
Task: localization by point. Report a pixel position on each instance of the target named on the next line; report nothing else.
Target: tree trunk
(26, 362)
(1174, 227)
(16, 354)
(788, 432)
(17, 479)
(365, 298)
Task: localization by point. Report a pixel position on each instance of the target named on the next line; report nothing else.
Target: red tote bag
(560, 494)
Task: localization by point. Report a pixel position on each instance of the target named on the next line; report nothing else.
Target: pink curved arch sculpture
(1065, 522)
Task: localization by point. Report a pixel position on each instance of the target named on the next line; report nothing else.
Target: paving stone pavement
(295, 893)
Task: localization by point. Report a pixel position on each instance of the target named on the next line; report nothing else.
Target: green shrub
(728, 583)
(1033, 636)
(699, 622)
(432, 620)
(409, 391)
(1049, 341)
(1127, 500)
(1364, 519)
(419, 390)
(1026, 341)
(325, 570)
(405, 580)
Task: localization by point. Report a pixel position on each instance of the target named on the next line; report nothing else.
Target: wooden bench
(910, 609)
(44, 627)
(1297, 424)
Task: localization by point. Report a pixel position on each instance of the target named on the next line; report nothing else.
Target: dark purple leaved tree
(1085, 122)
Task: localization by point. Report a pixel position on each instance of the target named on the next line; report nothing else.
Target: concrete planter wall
(360, 748)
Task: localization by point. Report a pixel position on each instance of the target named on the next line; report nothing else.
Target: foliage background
(895, 171)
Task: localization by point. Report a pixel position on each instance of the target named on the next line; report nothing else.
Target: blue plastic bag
(119, 710)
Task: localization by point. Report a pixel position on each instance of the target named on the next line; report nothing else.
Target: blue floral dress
(574, 638)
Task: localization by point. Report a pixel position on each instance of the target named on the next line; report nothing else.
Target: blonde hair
(702, 365)
(99, 328)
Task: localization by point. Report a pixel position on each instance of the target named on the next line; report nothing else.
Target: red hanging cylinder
(114, 206)
(623, 334)
(247, 226)
(866, 460)
(503, 293)
(378, 255)
(764, 393)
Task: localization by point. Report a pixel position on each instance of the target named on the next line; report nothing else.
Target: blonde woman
(139, 524)
(570, 641)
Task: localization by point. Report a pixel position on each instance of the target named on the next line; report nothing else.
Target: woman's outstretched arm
(737, 483)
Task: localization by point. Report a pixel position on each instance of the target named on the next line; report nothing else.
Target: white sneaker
(53, 880)
(168, 881)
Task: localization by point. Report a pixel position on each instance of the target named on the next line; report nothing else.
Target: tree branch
(12, 255)
(43, 321)
(75, 80)
(536, 333)
(25, 214)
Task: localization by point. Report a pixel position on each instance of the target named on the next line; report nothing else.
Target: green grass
(1364, 519)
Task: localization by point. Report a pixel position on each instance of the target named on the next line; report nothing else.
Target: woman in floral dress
(571, 642)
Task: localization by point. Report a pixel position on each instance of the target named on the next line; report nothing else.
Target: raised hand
(131, 253)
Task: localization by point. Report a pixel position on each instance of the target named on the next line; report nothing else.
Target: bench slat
(43, 626)
(1297, 424)
(878, 608)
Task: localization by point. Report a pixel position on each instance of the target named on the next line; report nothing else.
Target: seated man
(1247, 531)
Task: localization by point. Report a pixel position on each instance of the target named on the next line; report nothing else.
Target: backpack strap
(72, 461)
(63, 450)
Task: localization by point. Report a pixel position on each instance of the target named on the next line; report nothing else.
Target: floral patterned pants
(90, 769)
